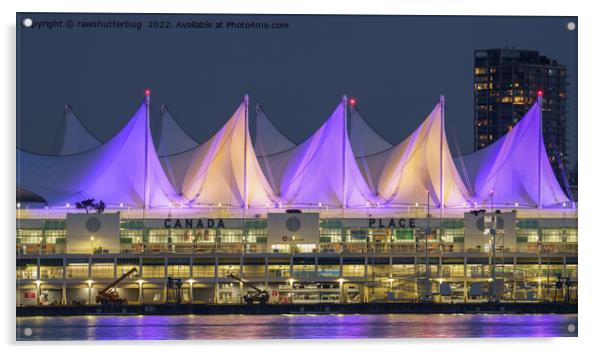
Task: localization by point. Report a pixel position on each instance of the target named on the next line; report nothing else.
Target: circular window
(293, 224)
(93, 224)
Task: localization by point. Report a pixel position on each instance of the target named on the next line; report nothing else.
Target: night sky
(396, 67)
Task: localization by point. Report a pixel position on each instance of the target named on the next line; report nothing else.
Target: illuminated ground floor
(298, 278)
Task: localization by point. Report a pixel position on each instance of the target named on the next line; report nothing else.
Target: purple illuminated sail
(322, 170)
(117, 172)
(515, 169)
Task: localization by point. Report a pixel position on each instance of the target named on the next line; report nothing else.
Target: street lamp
(92, 244)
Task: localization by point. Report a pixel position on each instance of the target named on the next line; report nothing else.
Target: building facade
(298, 258)
(506, 84)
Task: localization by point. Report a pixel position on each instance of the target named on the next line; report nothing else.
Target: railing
(335, 248)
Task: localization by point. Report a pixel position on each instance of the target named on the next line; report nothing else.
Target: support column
(441, 138)
(64, 294)
(89, 293)
(513, 297)
(140, 292)
(165, 281)
(465, 279)
(344, 151)
(146, 160)
(245, 187)
(539, 279)
(540, 142)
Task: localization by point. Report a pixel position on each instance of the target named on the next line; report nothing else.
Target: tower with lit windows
(506, 84)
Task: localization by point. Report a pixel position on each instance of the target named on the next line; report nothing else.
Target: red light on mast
(147, 92)
(539, 93)
(352, 101)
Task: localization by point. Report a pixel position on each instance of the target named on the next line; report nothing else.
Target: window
(182, 236)
(225, 269)
(353, 270)
(303, 270)
(279, 270)
(558, 235)
(153, 271)
(306, 247)
(205, 236)
(157, 236)
(178, 271)
(526, 235)
(27, 271)
(77, 271)
(402, 269)
(51, 236)
(281, 248)
(102, 270)
(124, 268)
(203, 271)
(329, 270)
(253, 271)
(51, 272)
(29, 236)
(231, 236)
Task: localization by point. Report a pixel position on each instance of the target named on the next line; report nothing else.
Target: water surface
(293, 326)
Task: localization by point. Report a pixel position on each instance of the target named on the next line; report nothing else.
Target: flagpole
(442, 107)
(344, 151)
(146, 167)
(539, 141)
(245, 187)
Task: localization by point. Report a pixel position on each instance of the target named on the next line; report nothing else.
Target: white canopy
(223, 170)
(172, 139)
(321, 170)
(73, 136)
(124, 170)
(515, 169)
(418, 167)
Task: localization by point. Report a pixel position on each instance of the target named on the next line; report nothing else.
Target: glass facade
(348, 264)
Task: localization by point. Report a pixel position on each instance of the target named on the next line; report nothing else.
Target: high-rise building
(506, 84)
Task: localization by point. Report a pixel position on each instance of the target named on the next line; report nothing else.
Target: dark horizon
(396, 67)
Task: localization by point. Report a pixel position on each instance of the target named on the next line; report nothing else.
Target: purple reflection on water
(293, 326)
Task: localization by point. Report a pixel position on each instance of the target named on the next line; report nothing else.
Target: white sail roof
(124, 170)
(172, 139)
(418, 167)
(73, 136)
(515, 169)
(321, 170)
(269, 141)
(221, 170)
(364, 140)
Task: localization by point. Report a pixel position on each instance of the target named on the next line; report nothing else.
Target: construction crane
(259, 295)
(109, 296)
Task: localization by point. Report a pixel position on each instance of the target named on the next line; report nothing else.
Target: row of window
(109, 271)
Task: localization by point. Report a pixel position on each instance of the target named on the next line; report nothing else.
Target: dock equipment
(109, 296)
(257, 296)
(174, 290)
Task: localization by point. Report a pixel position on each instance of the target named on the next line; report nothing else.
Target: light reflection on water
(293, 326)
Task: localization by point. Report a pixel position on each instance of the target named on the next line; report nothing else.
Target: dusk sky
(396, 67)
